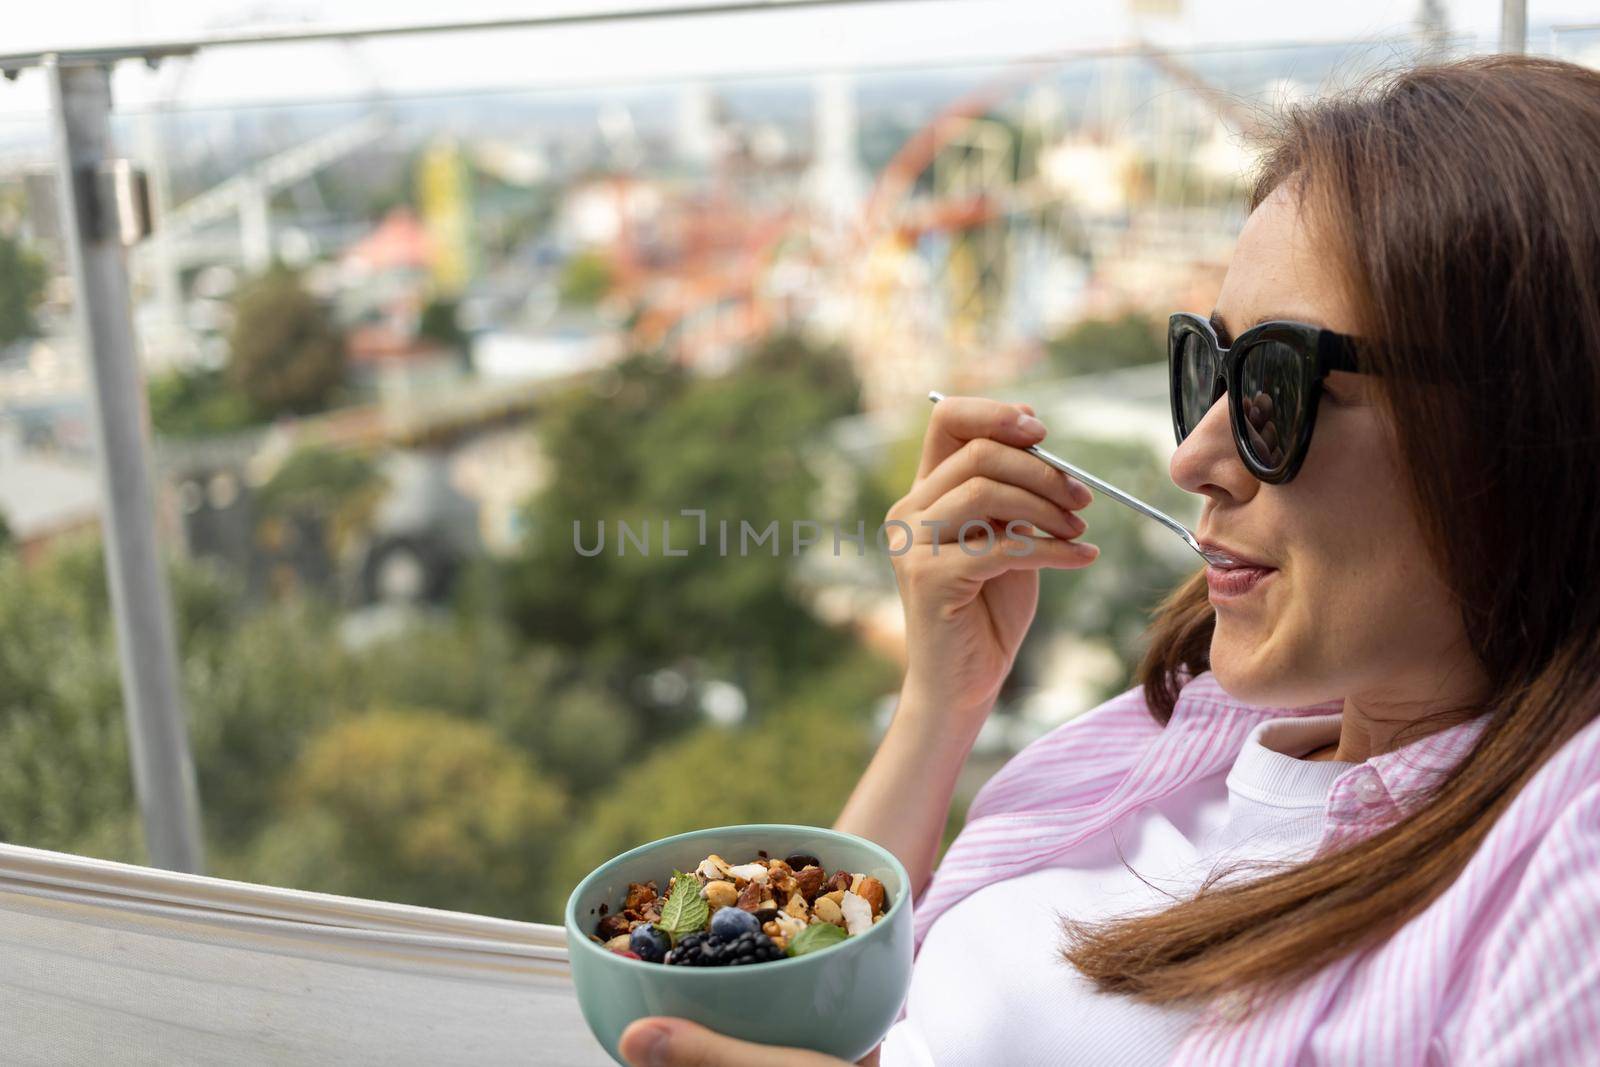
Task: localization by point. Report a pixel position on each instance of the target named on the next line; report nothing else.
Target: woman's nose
(1207, 463)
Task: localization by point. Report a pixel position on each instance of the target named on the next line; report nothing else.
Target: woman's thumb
(661, 1042)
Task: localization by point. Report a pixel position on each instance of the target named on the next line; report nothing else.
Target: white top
(990, 984)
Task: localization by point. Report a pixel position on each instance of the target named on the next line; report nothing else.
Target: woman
(1352, 814)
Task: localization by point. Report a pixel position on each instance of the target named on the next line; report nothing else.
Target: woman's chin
(1243, 666)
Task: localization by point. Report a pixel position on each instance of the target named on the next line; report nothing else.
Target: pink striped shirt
(1502, 968)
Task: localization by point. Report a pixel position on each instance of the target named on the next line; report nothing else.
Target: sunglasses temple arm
(1117, 494)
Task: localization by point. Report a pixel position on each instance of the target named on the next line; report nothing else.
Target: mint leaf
(814, 937)
(685, 910)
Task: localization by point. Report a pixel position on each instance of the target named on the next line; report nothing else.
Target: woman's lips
(1230, 583)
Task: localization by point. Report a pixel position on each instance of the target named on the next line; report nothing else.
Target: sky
(912, 32)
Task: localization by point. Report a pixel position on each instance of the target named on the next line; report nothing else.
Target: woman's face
(1351, 606)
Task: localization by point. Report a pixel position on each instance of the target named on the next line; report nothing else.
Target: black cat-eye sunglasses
(1272, 375)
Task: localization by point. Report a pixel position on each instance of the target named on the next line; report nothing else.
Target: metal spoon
(1221, 559)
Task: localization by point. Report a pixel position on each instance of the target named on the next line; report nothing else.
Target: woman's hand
(968, 603)
(662, 1042)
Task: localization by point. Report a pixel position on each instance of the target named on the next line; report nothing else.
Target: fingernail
(1030, 425)
(1089, 550)
(653, 1047)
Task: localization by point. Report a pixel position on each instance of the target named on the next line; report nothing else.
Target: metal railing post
(158, 740)
(1513, 25)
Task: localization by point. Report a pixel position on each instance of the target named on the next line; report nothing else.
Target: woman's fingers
(959, 419)
(982, 499)
(985, 457)
(664, 1042)
(980, 559)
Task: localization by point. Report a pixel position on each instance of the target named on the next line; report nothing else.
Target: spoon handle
(1107, 488)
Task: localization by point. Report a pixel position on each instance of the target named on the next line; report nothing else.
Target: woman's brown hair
(1460, 206)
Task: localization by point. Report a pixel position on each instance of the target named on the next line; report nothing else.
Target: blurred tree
(22, 280)
(341, 489)
(197, 403)
(6, 537)
(546, 702)
(286, 355)
(439, 323)
(642, 452)
(421, 808)
(1095, 345)
(65, 759)
(586, 279)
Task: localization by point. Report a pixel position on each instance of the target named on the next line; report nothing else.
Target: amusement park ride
(917, 276)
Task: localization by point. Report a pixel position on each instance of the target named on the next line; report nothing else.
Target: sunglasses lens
(1274, 386)
(1198, 388)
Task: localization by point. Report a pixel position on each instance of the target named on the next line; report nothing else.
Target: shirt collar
(1392, 785)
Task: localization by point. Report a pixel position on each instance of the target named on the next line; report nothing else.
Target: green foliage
(422, 808)
(438, 323)
(586, 278)
(1108, 344)
(22, 280)
(65, 758)
(286, 354)
(662, 441)
(538, 698)
(197, 403)
(344, 488)
(7, 538)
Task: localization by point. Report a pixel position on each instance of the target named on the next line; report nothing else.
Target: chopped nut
(873, 893)
(776, 866)
(810, 881)
(713, 866)
(611, 926)
(770, 928)
(720, 894)
(617, 943)
(836, 896)
(639, 894)
(855, 883)
(827, 909)
(750, 897)
(796, 906)
(782, 943)
(749, 872)
(788, 926)
(840, 880)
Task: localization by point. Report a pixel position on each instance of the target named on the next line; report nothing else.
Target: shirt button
(1369, 790)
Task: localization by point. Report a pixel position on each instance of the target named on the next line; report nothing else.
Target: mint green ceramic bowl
(840, 1000)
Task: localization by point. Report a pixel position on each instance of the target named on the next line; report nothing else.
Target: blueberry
(729, 923)
(649, 942)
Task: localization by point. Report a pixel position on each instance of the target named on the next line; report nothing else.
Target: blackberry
(700, 949)
(750, 947)
(690, 951)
